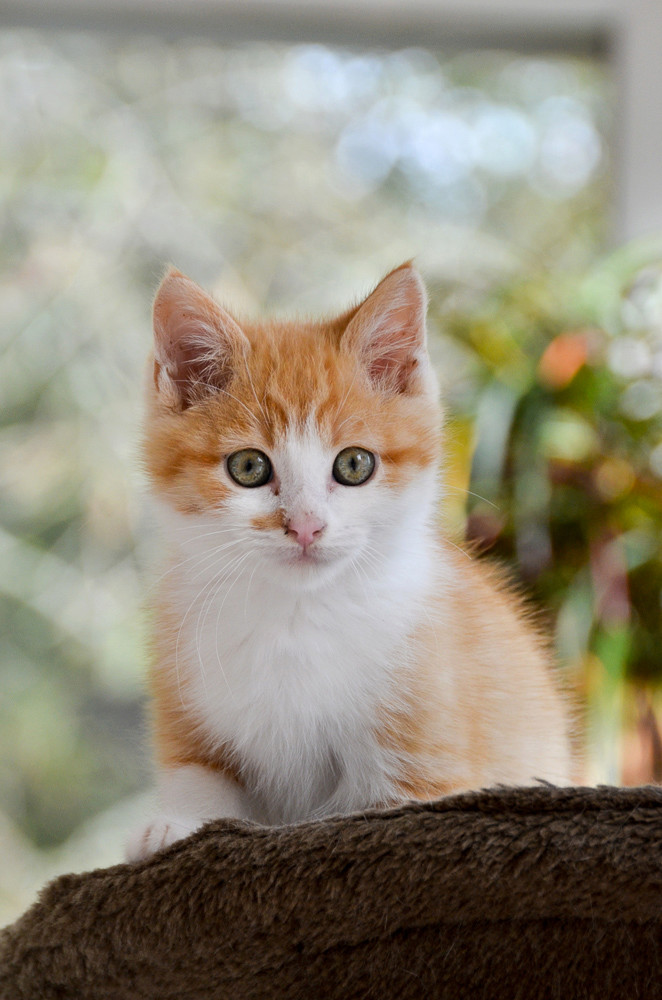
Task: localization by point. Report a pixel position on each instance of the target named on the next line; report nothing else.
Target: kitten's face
(309, 445)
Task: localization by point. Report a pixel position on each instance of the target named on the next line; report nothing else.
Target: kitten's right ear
(387, 332)
(196, 342)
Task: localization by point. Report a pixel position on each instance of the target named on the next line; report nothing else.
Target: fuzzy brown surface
(519, 893)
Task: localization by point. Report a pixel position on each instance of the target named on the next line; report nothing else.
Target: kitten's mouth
(312, 563)
(307, 557)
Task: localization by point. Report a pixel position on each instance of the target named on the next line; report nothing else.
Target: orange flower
(563, 358)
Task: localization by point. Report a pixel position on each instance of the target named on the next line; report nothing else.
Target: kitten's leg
(187, 797)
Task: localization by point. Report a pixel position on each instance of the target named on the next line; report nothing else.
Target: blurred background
(289, 175)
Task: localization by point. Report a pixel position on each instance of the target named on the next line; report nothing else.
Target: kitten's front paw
(159, 834)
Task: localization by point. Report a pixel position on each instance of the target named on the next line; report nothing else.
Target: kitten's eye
(249, 467)
(353, 466)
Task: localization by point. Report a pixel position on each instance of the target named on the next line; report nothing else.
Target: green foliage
(566, 384)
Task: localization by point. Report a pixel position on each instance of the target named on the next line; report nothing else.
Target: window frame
(627, 34)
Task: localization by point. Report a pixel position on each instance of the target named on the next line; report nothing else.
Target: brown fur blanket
(520, 893)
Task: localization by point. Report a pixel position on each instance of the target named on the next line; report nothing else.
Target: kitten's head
(310, 444)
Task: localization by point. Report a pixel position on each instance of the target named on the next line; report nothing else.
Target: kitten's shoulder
(482, 581)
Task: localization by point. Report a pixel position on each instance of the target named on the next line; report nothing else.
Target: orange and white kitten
(318, 647)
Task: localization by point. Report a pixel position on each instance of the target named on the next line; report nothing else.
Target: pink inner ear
(388, 329)
(393, 370)
(194, 338)
(186, 367)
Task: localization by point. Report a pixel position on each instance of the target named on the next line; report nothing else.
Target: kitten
(318, 647)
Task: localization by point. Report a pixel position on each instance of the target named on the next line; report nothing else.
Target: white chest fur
(298, 680)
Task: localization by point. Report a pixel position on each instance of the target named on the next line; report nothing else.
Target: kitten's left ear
(388, 332)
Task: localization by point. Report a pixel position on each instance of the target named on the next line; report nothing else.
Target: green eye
(353, 466)
(249, 467)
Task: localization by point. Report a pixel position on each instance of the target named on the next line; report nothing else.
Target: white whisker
(215, 586)
(202, 558)
(248, 587)
(208, 586)
(220, 610)
(252, 385)
(237, 400)
(461, 489)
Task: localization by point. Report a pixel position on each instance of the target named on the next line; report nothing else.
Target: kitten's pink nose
(305, 528)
